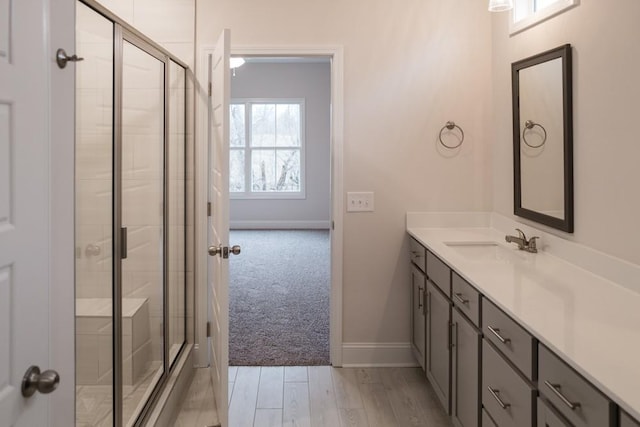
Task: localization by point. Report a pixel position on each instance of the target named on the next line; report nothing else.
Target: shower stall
(132, 215)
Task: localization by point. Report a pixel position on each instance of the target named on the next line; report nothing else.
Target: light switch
(360, 201)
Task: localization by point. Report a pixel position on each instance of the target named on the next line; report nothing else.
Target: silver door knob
(224, 251)
(44, 382)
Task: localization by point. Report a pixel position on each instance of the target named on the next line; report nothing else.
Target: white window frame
(534, 17)
(269, 195)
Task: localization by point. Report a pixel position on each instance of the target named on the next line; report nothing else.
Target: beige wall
(408, 68)
(605, 40)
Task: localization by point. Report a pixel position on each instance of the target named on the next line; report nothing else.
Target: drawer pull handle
(494, 393)
(556, 390)
(460, 298)
(496, 332)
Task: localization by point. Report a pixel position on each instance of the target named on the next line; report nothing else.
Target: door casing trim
(336, 53)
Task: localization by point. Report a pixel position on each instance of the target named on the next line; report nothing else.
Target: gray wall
(312, 82)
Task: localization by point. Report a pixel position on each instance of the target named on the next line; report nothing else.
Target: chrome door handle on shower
(62, 58)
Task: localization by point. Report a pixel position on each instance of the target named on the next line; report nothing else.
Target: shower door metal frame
(123, 32)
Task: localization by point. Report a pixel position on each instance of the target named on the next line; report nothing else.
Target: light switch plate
(360, 201)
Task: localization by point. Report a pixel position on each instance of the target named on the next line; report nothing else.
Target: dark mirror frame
(564, 52)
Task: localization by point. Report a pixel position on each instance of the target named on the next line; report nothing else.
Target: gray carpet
(279, 289)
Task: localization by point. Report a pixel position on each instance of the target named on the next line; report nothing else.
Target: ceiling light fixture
(500, 5)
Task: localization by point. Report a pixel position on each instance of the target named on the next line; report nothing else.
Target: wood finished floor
(317, 396)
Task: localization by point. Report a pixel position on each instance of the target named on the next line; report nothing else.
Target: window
(527, 13)
(266, 149)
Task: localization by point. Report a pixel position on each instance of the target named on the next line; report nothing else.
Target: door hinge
(209, 89)
(208, 208)
(333, 225)
(208, 329)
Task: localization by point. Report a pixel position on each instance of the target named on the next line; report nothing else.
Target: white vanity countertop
(589, 321)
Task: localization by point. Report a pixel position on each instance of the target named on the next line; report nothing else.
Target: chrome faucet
(522, 242)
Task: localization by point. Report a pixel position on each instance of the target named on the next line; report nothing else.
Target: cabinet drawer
(486, 419)
(418, 254)
(573, 396)
(466, 298)
(506, 396)
(549, 417)
(439, 273)
(512, 340)
(627, 421)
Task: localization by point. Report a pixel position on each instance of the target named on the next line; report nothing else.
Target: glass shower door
(93, 210)
(143, 216)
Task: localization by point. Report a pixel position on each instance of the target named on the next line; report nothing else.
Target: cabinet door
(418, 283)
(506, 395)
(627, 421)
(438, 343)
(465, 371)
(549, 417)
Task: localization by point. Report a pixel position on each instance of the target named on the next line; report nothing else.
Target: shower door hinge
(208, 329)
(209, 89)
(208, 208)
(333, 225)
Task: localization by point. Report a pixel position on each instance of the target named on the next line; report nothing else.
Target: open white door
(33, 258)
(218, 226)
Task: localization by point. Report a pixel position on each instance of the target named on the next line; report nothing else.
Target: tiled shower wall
(170, 23)
(94, 177)
(141, 166)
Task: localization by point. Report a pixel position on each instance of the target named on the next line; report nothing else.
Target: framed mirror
(543, 138)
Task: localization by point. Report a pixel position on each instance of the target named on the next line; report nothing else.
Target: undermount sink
(485, 251)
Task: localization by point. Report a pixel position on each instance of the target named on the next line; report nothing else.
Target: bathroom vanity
(511, 338)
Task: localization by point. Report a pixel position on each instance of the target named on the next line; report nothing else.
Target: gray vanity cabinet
(418, 324)
(465, 371)
(438, 343)
(486, 368)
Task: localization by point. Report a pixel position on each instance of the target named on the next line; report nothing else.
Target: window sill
(268, 196)
(540, 16)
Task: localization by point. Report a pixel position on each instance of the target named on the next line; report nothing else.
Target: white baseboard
(279, 225)
(390, 354)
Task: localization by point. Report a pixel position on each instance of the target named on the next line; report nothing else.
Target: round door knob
(235, 249)
(215, 250)
(44, 382)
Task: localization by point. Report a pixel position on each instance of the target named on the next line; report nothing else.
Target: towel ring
(451, 125)
(528, 125)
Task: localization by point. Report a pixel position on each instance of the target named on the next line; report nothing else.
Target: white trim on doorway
(336, 53)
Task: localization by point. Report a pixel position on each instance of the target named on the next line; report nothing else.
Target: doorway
(280, 210)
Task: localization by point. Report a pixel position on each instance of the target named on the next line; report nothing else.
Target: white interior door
(218, 227)
(29, 182)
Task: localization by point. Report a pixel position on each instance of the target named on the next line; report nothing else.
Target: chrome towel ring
(451, 125)
(529, 125)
